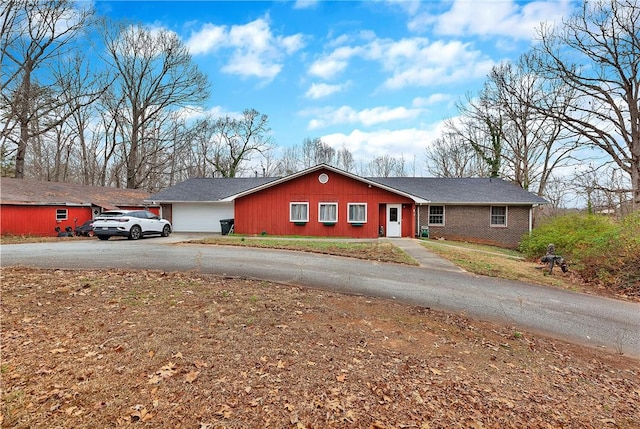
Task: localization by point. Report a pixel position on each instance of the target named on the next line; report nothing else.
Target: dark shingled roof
(36, 192)
(446, 190)
(208, 189)
(433, 189)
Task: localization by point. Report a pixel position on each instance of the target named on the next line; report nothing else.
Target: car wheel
(135, 232)
(166, 231)
(103, 237)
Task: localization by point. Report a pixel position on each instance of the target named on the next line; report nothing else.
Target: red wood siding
(267, 211)
(39, 220)
(408, 220)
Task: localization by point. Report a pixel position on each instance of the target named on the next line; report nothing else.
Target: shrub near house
(598, 248)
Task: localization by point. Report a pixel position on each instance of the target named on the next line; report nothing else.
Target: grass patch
(497, 262)
(370, 250)
(483, 248)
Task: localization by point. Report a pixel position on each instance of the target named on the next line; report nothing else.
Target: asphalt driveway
(575, 317)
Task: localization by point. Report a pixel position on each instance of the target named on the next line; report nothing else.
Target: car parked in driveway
(132, 224)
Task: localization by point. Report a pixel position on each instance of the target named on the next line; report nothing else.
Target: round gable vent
(323, 178)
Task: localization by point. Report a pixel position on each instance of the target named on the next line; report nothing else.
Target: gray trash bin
(225, 226)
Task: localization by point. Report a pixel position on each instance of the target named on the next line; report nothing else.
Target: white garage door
(200, 217)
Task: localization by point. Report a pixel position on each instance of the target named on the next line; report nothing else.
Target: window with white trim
(299, 212)
(357, 212)
(61, 214)
(498, 215)
(436, 215)
(328, 212)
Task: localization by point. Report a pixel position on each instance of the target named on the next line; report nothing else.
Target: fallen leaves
(164, 372)
(238, 353)
(140, 413)
(191, 376)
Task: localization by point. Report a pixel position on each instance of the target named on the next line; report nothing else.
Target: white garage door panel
(200, 217)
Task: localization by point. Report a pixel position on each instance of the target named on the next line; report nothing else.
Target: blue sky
(378, 77)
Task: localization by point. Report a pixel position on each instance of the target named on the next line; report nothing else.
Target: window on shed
(357, 212)
(299, 212)
(328, 212)
(61, 214)
(436, 215)
(499, 216)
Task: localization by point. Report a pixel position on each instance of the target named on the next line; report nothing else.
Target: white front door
(394, 220)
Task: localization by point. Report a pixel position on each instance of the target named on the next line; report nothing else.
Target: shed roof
(37, 192)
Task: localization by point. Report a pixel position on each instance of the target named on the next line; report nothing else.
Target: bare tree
(535, 144)
(344, 159)
(387, 166)
(480, 125)
(35, 36)
(450, 156)
(231, 142)
(154, 76)
(557, 192)
(601, 186)
(289, 162)
(105, 138)
(82, 80)
(315, 151)
(180, 153)
(596, 53)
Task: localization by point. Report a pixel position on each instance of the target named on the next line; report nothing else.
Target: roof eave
(492, 203)
(158, 202)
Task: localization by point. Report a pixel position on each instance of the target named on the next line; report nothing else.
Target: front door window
(393, 214)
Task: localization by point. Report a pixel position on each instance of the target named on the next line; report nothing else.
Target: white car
(132, 224)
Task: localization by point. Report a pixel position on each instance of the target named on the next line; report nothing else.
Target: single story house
(326, 201)
(33, 207)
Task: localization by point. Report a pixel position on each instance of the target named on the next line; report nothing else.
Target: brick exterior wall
(472, 224)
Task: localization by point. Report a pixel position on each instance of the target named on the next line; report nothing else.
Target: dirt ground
(98, 349)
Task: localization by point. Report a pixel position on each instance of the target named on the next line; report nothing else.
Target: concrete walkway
(425, 258)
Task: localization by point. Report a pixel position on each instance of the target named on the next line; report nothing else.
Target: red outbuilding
(32, 207)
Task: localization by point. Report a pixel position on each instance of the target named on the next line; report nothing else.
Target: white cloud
(368, 117)
(436, 98)
(305, 4)
(193, 113)
(516, 20)
(418, 62)
(320, 90)
(415, 61)
(409, 6)
(408, 142)
(329, 66)
(209, 39)
(256, 51)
